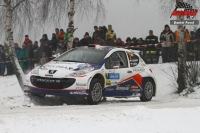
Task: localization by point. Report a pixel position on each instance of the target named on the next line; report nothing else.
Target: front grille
(51, 83)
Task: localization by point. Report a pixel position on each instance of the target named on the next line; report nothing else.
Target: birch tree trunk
(9, 40)
(182, 80)
(71, 24)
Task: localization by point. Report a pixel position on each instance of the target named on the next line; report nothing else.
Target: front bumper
(35, 90)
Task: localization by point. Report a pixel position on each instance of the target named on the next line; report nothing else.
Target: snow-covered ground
(166, 113)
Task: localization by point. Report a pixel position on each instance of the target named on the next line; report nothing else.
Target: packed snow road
(166, 113)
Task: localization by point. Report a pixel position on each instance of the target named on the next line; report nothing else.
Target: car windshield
(92, 56)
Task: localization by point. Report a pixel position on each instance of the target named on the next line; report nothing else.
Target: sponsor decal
(122, 88)
(113, 76)
(57, 66)
(48, 80)
(109, 89)
(108, 82)
(81, 84)
(134, 87)
(48, 75)
(79, 93)
(138, 69)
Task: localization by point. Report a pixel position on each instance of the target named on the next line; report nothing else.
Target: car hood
(61, 69)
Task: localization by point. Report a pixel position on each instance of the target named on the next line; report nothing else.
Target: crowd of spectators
(36, 53)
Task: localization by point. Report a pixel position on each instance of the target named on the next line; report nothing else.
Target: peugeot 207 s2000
(94, 72)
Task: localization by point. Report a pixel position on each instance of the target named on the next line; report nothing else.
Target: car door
(135, 70)
(116, 72)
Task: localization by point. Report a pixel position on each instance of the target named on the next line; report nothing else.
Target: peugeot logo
(52, 71)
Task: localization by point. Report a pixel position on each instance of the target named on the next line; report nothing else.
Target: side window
(117, 59)
(134, 59)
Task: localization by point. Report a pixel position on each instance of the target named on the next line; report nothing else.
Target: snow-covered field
(166, 113)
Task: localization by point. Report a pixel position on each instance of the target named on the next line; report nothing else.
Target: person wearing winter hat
(95, 33)
(102, 33)
(119, 43)
(26, 41)
(167, 37)
(134, 41)
(57, 33)
(128, 42)
(86, 40)
(100, 41)
(110, 33)
(151, 53)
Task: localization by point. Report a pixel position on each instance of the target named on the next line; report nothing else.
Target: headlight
(36, 70)
(80, 72)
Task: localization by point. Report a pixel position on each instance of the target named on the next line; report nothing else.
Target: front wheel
(95, 92)
(148, 90)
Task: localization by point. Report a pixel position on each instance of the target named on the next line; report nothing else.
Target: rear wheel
(148, 90)
(95, 92)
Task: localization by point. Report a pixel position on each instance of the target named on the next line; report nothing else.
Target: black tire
(148, 91)
(95, 92)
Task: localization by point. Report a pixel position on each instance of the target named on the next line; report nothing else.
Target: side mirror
(115, 67)
(134, 62)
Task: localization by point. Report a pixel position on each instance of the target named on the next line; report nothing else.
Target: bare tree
(20, 15)
(13, 11)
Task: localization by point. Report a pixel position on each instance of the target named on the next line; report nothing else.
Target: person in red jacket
(119, 43)
(27, 40)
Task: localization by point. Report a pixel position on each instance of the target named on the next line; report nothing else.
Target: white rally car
(94, 72)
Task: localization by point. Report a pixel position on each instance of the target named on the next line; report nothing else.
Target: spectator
(47, 51)
(45, 38)
(134, 41)
(152, 54)
(17, 50)
(66, 37)
(41, 48)
(140, 41)
(197, 34)
(65, 46)
(53, 43)
(43, 60)
(128, 42)
(110, 33)
(110, 41)
(76, 43)
(119, 43)
(151, 39)
(8, 63)
(192, 35)
(29, 56)
(27, 40)
(36, 53)
(2, 59)
(102, 33)
(105, 30)
(61, 46)
(167, 37)
(95, 33)
(22, 57)
(100, 41)
(57, 33)
(62, 34)
(86, 40)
